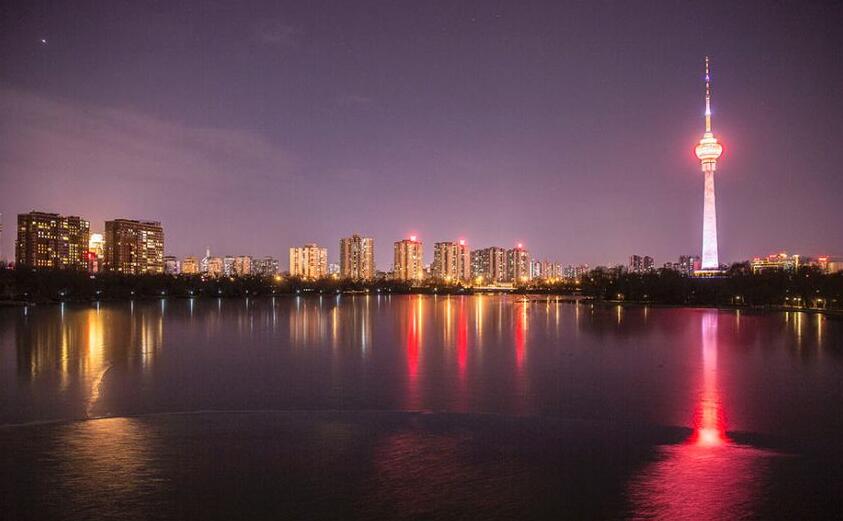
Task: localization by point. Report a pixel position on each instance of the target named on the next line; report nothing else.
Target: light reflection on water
(500, 354)
(709, 476)
(604, 371)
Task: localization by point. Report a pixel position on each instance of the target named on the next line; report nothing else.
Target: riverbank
(754, 309)
(805, 290)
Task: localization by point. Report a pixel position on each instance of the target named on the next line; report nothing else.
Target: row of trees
(807, 287)
(26, 285)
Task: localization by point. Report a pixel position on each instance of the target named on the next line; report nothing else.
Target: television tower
(708, 151)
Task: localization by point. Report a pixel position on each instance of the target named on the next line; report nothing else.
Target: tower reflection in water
(709, 426)
(709, 476)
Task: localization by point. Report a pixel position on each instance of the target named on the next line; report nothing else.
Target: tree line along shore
(806, 288)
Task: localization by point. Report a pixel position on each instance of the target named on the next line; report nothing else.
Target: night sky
(251, 127)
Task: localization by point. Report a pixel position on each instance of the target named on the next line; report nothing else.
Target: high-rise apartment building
(203, 264)
(134, 247)
(689, 264)
(189, 266)
(639, 264)
(357, 258)
(228, 265)
(242, 266)
(309, 262)
(451, 261)
(52, 241)
(546, 270)
(408, 259)
(265, 267)
(576, 272)
(214, 266)
(172, 266)
(489, 265)
(518, 264)
(635, 264)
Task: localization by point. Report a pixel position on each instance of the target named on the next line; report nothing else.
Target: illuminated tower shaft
(709, 246)
(708, 151)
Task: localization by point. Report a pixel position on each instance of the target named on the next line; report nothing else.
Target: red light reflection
(709, 421)
(709, 477)
(414, 334)
(520, 335)
(462, 339)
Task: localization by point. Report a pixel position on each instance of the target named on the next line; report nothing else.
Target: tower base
(711, 272)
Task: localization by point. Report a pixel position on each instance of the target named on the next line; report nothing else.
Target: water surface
(374, 406)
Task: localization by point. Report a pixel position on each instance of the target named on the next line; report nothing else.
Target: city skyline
(145, 253)
(572, 138)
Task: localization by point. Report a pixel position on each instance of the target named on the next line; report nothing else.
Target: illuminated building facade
(828, 264)
(134, 247)
(518, 264)
(265, 267)
(172, 266)
(96, 252)
(242, 265)
(708, 151)
(576, 272)
(408, 260)
(203, 264)
(189, 266)
(689, 264)
(489, 265)
(546, 270)
(357, 258)
(451, 261)
(641, 264)
(52, 241)
(228, 266)
(214, 266)
(309, 262)
(776, 261)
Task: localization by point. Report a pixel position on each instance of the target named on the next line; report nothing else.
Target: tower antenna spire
(707, 96)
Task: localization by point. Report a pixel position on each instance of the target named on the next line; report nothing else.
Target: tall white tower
(708, 151)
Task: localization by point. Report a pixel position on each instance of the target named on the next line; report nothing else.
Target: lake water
(385, 407)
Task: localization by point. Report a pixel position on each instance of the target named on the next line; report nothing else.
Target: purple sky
(252, 126)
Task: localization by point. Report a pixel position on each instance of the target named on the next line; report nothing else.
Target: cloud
(105, 162)
(45, 135)
(37, 130)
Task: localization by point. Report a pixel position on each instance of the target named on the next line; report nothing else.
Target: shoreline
(768, 308)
